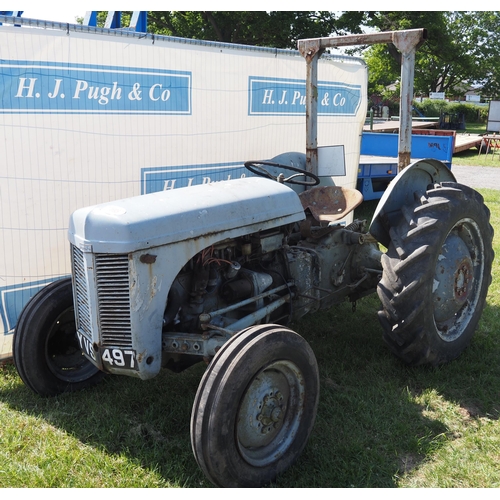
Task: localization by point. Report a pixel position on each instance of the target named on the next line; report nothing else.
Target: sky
(67, 11)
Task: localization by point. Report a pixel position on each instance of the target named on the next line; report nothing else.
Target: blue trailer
(378, 163)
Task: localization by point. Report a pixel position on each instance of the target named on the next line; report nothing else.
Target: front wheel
(436, 274)
(45, 348)
(255, 407)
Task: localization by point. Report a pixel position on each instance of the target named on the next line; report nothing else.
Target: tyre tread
(408, 270)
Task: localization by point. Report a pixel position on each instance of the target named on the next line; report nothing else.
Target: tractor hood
(167, 217)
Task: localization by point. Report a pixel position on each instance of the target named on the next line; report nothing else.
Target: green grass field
(380, 424)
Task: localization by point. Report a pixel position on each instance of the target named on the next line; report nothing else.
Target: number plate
(113, 357)
(87, 347)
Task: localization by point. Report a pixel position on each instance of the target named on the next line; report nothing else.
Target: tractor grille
(113, 298)
(83, 323)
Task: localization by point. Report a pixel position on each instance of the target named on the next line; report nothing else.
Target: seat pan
(330, 203)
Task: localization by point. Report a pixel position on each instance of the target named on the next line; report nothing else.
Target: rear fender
(414, 178)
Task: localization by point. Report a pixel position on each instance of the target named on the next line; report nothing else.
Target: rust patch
(403, 160)
(148, 259)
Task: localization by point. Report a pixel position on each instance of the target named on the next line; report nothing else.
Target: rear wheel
(436, 274)
(255, 407)
(45, 348)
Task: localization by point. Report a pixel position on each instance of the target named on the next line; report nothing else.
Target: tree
(462, 48)
(279, 29)
(485, 27)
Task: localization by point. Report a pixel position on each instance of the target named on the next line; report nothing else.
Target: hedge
(473, 113)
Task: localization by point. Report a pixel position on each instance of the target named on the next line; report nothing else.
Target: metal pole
(311, 52)
(406, 41)
(405, 107)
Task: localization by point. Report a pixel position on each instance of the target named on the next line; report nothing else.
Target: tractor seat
(330, 203)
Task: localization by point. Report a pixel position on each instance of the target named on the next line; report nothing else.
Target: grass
(471, 157)
(474, 128)
(380, 424)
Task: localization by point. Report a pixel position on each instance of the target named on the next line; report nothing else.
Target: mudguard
(416, 177)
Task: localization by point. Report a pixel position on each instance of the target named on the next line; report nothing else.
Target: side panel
(378, 164)
(87, 118)
(439, 147)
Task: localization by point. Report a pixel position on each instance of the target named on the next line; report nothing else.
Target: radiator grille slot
(113, 297)
(81, 298)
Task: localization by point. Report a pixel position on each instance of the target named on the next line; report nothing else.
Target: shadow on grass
(369, 430)
(368, 417)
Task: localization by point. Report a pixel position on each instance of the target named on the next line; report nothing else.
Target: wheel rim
(270, 413)
(63, 354)
(458, 279)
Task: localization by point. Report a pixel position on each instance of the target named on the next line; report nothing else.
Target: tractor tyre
(255, 407)
(436, 274)
(46, 352)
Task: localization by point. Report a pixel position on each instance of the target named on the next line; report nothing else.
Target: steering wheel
(257, 168)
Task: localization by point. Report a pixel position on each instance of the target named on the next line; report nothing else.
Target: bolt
(276, 414)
